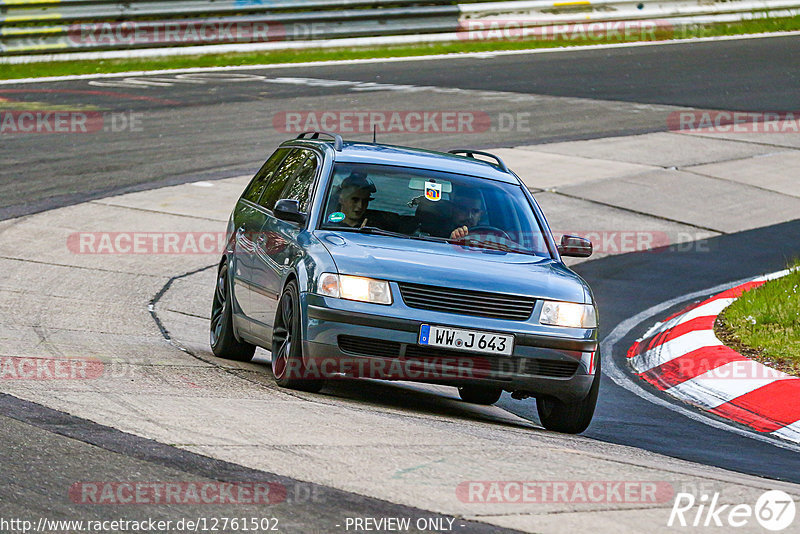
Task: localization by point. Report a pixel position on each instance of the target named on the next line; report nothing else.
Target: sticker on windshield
(433, 191)
(336, 216)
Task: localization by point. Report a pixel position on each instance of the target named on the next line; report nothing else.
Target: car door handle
(241, 238)
(241, 235)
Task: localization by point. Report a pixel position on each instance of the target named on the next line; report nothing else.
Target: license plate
(466, 340)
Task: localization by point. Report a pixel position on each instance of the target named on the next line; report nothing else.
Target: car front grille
(465, 302)
(369, 347)
(552, 368)
(498, 367)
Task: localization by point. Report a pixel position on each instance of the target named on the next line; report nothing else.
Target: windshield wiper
(490, 246)
(500, 247)
(380, 231)
(370, 230)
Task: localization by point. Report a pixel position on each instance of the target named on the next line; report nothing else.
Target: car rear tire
(222, 337)
(479, 394)
(572, 417)
(287, 345)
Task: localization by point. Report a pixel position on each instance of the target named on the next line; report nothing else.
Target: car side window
(273, 190)
(263, 176)
(301, 186)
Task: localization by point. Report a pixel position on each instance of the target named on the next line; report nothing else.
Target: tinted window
(262, 177)
(277, 184)
(433, 204)
(302, 185)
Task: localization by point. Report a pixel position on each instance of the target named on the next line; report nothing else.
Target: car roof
(401, 156)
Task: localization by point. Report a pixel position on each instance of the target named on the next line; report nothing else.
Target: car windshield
(432, 205)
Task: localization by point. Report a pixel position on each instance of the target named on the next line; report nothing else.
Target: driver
(467, 212)
(355, 193)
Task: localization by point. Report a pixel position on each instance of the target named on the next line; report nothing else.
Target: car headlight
(343, 286)
(568, 314)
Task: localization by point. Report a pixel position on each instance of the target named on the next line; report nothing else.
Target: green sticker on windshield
(336, 216)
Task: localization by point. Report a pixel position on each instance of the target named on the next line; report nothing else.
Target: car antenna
(374, 133)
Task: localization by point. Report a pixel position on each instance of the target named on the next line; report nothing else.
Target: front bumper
(364, 339)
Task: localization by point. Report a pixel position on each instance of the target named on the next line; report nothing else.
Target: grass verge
(62, 68)
(764, 324)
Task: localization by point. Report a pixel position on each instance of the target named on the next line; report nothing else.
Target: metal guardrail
(27, 27)
(47, 26)
(98, 10)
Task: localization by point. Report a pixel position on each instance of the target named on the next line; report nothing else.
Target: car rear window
(259, 182)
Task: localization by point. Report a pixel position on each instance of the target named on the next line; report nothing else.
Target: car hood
(442, 264)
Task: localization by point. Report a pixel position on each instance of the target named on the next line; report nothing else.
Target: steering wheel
(485, 229)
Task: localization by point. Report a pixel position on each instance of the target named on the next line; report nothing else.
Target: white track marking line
(791, 432)
(627, 381)
(725, 383)
(713, 307)
(772, 276)
(674, 348)
(708, 309)
(478, 55)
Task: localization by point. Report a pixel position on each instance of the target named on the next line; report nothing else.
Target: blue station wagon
(352, 259)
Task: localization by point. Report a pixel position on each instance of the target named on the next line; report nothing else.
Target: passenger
(355, 194)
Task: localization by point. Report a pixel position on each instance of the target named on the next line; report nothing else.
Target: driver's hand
(459, 233)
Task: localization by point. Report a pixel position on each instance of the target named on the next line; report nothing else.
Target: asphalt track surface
(207, 131)
(627, 284)
(191, 131)
(736, 75)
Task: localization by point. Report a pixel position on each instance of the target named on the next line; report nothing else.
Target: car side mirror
(577, 247)
(289, 210)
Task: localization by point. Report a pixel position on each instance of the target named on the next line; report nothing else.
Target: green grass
(60, 68)
(765, 322)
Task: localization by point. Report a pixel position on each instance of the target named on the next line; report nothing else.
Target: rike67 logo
(774, 511)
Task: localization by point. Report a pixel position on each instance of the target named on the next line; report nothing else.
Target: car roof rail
(471, 154)
(337, 139)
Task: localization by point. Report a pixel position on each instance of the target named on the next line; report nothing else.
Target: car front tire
(569, 417)
(222, 337)
(287, 345)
